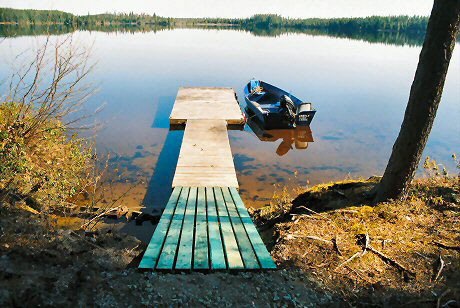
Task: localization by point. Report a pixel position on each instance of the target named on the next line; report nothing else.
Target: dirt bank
(401, 253)
(331, 245)
(45, 265)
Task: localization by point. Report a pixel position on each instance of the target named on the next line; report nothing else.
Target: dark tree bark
(425, 95)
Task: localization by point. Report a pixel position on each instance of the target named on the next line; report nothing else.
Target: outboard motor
(287, 104)
(304, 114)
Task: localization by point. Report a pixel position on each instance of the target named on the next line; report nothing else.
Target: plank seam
(180, 233)
(246, 231)
(260, 248)
(192, 265)
(207, 228)
(227, 265)
(233, 229)
(169, 226)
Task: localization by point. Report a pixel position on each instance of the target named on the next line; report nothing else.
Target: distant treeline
(43, 17)
(392, 38)
(373, 23)
(398, 30)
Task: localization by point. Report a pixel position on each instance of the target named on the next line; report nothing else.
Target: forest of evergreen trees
(40, 17)
(373, 23)
(362, 24)
(400, 30)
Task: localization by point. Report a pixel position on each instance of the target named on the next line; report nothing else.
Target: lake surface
(360, 91)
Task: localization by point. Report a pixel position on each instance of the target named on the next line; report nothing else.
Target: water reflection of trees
(34, 30)
(386, 37)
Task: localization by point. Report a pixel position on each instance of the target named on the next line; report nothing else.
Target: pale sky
(234, 8)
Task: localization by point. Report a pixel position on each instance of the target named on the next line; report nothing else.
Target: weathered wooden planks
(205, 225)
(153, 251)
(263, 256)
(185, 252)
(216, 248)
(231, 249)
(206, 228)
(206, 103)
(244, 244)
(205, 157)
(168, 252)
(200, 260)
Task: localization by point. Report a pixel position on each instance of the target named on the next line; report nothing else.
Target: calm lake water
(360, 91)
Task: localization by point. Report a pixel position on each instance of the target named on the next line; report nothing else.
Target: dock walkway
(205, 225)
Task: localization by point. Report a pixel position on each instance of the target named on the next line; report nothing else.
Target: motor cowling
(304, 114)
(287, 104)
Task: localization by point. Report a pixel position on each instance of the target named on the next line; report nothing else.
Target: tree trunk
(425, 95)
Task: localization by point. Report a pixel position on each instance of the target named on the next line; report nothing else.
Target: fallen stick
(336, 246)
(347, 211)
(446, 246)
(391, 261)
(83, 226)
(441, 266)
(438, 304)
(449, 302)
(358, 274)
(364, 242)
(311, 211)
(348, 261)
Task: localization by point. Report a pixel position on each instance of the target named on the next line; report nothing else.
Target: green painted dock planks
(216, 248)
(151, 255)
(200, 259)
(185, 252)
(205, 225)
(206, 228)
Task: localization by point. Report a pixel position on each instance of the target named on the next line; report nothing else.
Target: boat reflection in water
(297, 137)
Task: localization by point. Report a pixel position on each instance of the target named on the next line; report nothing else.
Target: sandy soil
(45, 265)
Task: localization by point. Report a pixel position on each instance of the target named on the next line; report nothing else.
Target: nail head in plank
(185, 252)
(200, 260)
(262, 253)
(152, 253)
(168, 253)
(230, 245)
(215, 240)
(244, 244)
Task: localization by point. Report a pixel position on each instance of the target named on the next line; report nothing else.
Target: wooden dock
(205, 225)
(204, 103)
(205, 157)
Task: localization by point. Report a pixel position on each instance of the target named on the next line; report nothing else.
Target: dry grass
(323, 232)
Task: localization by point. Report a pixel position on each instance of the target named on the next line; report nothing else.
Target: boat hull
(273, 118)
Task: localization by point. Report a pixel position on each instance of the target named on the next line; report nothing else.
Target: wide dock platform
(205, 225)
(205, 103)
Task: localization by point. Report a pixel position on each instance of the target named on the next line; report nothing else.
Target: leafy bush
(49, 166)
(40, 160)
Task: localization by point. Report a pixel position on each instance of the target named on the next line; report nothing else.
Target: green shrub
(50, 166)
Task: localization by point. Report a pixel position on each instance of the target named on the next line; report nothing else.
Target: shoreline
(308, 235)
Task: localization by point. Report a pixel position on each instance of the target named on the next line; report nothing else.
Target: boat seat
(257, 95)
(271, 107)
(277, 105)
